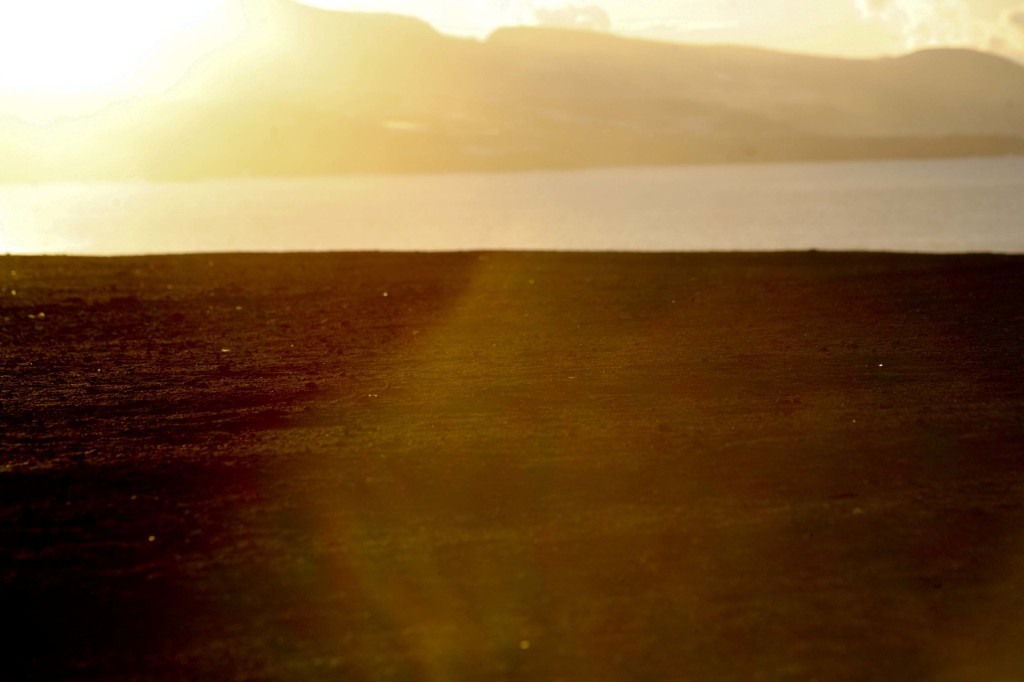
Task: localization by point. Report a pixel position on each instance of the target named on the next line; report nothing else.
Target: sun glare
(70, 47)
(61, 58)
(75, 48)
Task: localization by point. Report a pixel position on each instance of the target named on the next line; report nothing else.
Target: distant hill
(307, 91)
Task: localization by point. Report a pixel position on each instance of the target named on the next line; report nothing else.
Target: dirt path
(521, 466)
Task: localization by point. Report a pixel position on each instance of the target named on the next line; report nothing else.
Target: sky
(70, 47)
(843, 27)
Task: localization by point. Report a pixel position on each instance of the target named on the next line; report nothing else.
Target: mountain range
(307, 91)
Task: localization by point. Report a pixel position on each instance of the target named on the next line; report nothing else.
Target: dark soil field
(512, 466)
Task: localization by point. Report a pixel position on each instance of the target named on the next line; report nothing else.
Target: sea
(937, 206)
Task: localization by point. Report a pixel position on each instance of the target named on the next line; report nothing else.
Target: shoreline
(513, 171)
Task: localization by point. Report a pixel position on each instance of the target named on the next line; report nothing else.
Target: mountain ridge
(309, 91)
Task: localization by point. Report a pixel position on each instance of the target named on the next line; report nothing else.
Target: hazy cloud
(1014, 19)
(921, 23)
(589, 17)
(1008, 35)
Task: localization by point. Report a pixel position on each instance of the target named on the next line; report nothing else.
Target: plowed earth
(512, 466)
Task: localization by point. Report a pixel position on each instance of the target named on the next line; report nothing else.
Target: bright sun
(72, 58)
(110, 47)
(76, 47)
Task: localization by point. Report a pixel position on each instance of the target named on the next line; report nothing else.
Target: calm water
(939, 206)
